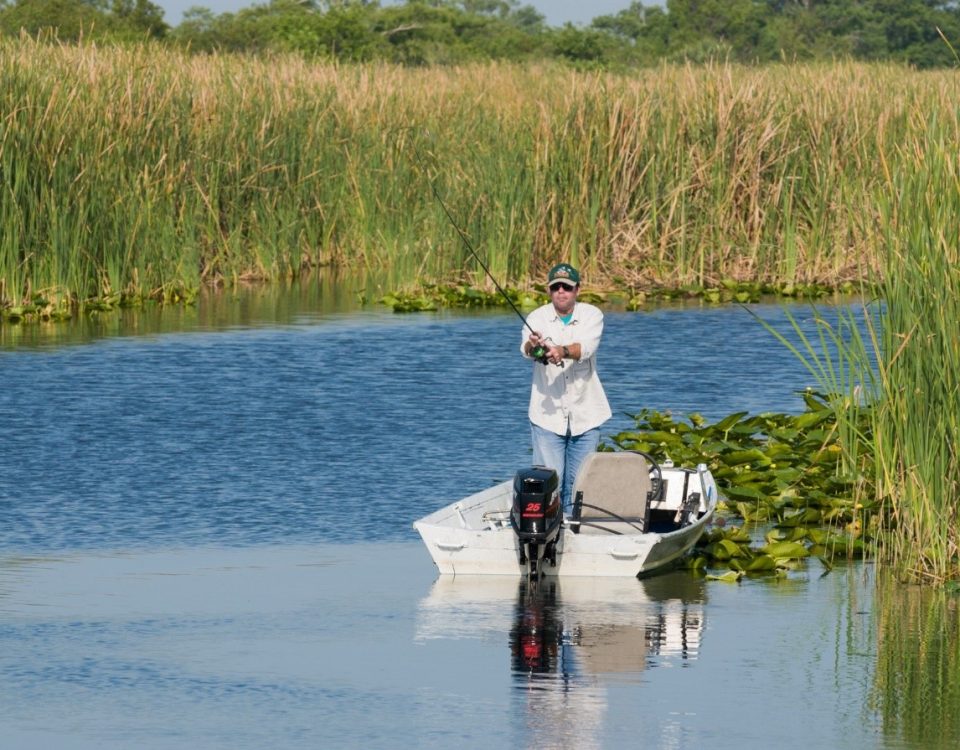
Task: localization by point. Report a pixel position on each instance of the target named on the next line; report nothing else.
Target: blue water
(337, 429)
(205, 542)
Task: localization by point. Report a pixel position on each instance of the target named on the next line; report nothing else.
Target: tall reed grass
(917, 418)
(900, 360)
(142, 170)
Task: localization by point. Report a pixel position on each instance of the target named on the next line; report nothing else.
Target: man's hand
(534, 340)
(555, 355)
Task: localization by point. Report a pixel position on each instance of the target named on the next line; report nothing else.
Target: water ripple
(326, 431)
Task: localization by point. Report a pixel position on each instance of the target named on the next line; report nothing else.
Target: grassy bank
(136, 171)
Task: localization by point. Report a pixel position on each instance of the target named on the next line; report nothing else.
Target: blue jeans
(564, 454)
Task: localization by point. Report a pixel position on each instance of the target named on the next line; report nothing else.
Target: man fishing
(567, 402)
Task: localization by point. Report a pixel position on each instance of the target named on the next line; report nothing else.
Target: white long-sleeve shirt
(569, 396)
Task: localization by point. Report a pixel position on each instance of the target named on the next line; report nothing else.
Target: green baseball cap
(563, 273)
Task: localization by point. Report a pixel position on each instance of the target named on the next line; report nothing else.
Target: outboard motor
(536, 516)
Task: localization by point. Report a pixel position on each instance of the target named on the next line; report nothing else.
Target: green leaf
(788, 475)
(761, 562)
(796, 534)
(724, 549)
(815, 401)
(786, 550)
(736, 534)
(804, 517)
(808, 419)
(818, 536)
(727, 422)
(751, 455)
(731, 576)
(744, 493)
(661, 436)
(753, 511)
(699, 562)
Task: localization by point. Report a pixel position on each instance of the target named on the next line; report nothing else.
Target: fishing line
(466, 240)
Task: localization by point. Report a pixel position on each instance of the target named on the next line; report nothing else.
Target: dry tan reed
(143, 170)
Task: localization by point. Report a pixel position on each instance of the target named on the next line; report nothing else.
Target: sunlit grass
(901, 359)
(916, 454)
(140, 171)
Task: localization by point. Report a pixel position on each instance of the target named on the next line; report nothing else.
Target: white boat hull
(474, 537)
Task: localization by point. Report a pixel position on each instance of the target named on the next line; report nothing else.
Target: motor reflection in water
(570, 640)
(574, 627)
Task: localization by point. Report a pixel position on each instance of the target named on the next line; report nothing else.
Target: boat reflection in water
(596, 627)
(570, 640)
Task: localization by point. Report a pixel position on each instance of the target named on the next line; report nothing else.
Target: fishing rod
(539, 352)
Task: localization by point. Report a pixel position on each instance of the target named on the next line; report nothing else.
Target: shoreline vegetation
(138, 172)
(135, 173)
(427, 297)
(777, 472)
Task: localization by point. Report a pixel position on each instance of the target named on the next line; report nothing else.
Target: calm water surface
(205, 542)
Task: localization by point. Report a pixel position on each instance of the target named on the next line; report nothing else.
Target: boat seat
(614, 487)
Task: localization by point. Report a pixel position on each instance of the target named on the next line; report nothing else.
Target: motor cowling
(537, 514)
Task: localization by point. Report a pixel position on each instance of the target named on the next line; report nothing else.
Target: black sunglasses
(565, 287)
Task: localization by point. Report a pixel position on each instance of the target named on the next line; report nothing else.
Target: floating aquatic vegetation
(430, 297)
(54, 307)
(779, 472)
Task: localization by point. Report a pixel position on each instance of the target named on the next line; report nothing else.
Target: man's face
(563, 296)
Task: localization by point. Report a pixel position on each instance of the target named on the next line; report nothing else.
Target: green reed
(917, 459)
(141, 171)
(900, 361)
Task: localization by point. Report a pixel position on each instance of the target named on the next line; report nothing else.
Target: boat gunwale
(447, 517)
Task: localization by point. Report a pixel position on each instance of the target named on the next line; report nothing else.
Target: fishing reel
(540, 352)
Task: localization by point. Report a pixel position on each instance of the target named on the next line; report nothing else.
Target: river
(206, 542)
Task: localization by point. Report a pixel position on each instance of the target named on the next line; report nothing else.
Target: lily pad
(749, 456)
(786, 550)
(753, 512)
(759, 564)
(727, 422)
(725, 549)
(803, 517)
(745, 493)
(731, 576)
(795, 534)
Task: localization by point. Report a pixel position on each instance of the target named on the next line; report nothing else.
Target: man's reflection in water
(570, 638)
